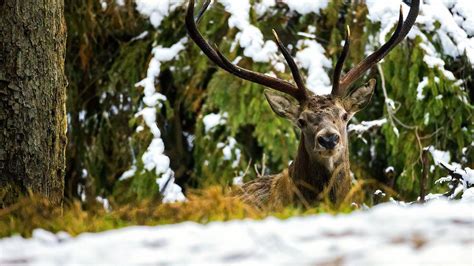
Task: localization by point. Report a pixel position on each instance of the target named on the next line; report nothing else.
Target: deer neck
(312, 175)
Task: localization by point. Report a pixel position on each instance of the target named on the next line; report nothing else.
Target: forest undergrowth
(215, 203)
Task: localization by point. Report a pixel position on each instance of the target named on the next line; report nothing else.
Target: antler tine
(214, 55)
(193, 32)
(274, 83)
(400, 33)
(410, 20)
(340, 64)
(291, 63)
(202, 10)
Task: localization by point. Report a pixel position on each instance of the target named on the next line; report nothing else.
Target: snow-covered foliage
(455, 31)
(154, 157)
(228, 149)
(250, 38)
(461, 181)
(436, 233)
(157, 10)
(311, 57)
(212, 120)
(441, 23)
(365, 126)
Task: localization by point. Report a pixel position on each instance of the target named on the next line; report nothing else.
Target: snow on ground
(437, 233)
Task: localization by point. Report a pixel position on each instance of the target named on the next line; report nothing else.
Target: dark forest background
(105, 60)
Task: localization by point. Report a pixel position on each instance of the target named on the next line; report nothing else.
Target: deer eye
(345, 116)
(301, 123)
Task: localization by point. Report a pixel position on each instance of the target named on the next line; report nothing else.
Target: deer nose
(328, 141)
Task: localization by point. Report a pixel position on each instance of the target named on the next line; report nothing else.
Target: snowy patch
(103, 5)
(439, 156)
(311, 57)
(455, 31)
(304, 7)
(154, 158)
(420, 87)
(212, 120)
(229, 149)
(459, 180)
(249, 37)
(468, 195)
(171, 192)
(160, 55)
(379, 192)
(82, 115)
(365, 126)
(129, 173)
(157, 10)
(238, 180)
(105, 203)
(263, 6)
(389, 169)
(140, 36)
(436, 233)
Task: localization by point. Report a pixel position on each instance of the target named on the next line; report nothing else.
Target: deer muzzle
(328, 140)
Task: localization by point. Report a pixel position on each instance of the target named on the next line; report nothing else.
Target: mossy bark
(33, 120)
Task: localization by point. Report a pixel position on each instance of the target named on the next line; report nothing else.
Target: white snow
(420, 87)
(466, 181)
(212, 120)
(439, 156)
(419, 91)
(249, 37)
(311, 57)
(304, 7)
(455, 31)
(379, 192)
(468, 195)
(263, 6)
(82, 115)
(129, 173)
(154, 158)
(365, 126)
(160, 55)
(103, 4)
(238, 180)
(230, 148)
(105, 203)
(157, 10)
(436, 233)
(140, 36)
(171, 192)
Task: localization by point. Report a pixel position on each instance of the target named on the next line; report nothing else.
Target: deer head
(321, 118)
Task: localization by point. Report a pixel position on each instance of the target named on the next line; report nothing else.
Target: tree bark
(33, 120)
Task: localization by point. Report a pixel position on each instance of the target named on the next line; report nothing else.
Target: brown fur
(309, 179)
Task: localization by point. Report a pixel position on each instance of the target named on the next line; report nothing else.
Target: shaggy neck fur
(311, 176)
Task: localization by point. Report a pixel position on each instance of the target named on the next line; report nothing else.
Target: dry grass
(202, 206)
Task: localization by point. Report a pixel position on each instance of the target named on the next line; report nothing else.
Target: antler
(341, 85)
(299, 92)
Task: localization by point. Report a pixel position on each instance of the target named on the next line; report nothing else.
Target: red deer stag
(321, 166)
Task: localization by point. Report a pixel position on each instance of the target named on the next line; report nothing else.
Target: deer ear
(360, 97)
(282, 106)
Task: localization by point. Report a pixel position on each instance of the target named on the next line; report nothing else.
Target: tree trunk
(33, 120)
